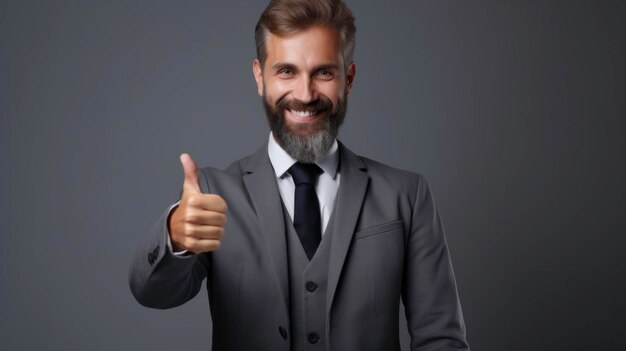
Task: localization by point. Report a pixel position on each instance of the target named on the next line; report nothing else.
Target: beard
(306, 142)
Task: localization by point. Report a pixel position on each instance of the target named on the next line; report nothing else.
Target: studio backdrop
(512, 110)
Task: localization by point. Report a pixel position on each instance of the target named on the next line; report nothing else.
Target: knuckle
(216, 219)
(218, 203)
(222, 219)
(189, 243)
(194, 217)
(189, 229)
(189, 217)
(219, 232)
(215, 245)
(192, 201)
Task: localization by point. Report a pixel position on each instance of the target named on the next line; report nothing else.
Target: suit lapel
(350, 195)
(259, 178)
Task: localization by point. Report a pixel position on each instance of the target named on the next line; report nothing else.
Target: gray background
(513, 110)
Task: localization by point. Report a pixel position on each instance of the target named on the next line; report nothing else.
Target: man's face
(304, 85)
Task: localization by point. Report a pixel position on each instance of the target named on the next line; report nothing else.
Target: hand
(197, 224)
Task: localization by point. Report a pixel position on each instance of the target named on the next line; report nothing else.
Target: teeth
(302, 113)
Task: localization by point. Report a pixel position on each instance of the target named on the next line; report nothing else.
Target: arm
(161, 279)
(432, 307)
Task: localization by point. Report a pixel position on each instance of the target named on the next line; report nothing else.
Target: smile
(303, 113)
(303, 116)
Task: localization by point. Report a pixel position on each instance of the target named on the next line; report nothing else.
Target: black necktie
(306, 215)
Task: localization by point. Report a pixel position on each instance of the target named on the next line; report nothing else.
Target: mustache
(322, 104)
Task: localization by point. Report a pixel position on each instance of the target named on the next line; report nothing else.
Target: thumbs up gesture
(197, 224)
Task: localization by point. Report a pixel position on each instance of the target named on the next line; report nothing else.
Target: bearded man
(305, 245)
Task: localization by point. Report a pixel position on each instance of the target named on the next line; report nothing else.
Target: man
(318, 245)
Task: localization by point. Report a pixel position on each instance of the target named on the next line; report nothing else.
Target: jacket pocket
(379, 229)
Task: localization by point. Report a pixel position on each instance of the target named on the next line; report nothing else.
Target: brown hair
(282, 17)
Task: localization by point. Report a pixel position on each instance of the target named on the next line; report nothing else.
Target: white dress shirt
(326, 187)
(327, 183)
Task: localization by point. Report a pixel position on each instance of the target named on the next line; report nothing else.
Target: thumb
(191, 173)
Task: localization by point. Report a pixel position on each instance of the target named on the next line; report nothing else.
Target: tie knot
(304, 173)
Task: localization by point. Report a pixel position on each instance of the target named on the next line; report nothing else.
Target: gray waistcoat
(307, 290)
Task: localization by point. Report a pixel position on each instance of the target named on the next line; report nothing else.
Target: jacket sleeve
(160, 279)
(429, 293)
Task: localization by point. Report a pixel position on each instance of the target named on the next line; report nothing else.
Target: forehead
(312, 46)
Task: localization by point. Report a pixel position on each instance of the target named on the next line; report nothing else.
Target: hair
(283, 17)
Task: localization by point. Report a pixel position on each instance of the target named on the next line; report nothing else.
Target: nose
(305, 90)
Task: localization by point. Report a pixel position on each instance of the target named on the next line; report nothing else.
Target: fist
(197, 224)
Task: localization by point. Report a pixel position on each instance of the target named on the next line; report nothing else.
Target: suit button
(152, 256)
(310, 286)
(313, 338)
(282, 332)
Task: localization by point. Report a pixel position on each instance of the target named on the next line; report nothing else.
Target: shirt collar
(282, 161)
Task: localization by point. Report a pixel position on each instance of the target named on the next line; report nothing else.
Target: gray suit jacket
(388, 243)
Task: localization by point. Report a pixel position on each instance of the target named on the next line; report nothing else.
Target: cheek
(275, 90)
(333, 92)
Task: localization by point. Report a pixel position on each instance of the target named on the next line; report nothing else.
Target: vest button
(313, 338)
(310, 286)
(282, 332)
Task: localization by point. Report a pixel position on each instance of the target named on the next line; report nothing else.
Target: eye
(285, 72)
(325, 74)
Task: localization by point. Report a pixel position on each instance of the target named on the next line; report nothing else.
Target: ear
(350, 74)
(258, 75)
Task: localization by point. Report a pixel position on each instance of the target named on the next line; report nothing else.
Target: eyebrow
(328, 66)
(280, 65)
